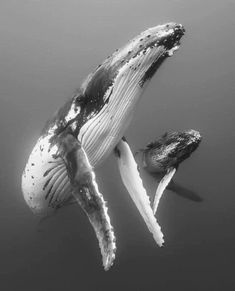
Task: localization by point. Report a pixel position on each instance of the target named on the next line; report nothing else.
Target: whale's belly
(45, 183)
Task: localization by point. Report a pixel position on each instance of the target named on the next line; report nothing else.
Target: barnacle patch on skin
(170, 150)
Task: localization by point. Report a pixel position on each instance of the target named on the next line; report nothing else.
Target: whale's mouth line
(152, 69)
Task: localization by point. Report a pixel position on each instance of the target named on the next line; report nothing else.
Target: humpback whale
(163, 157)
(83, 132)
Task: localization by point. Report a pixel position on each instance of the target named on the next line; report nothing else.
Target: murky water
(46, 49)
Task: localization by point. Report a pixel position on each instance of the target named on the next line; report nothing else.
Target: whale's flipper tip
(162, 186)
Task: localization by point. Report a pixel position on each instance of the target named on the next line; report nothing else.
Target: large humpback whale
(88, 127)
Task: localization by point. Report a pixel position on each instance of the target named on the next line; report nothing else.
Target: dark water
(46, 49)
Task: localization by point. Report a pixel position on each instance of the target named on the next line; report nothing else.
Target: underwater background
(47, 47)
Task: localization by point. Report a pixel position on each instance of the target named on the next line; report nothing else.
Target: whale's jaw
(118, 83)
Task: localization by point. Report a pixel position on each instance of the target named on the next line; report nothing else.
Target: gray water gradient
(46, 49)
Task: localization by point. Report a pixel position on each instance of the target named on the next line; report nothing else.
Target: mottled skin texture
(170, 150)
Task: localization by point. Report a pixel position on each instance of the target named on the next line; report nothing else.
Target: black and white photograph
(117, 145)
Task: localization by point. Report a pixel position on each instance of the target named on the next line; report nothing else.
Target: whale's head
(139, 58)
(170, 150)
(146, 52)
(111, 92)
(194, 137)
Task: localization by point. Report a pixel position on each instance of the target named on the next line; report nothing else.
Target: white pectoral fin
(133, 183)
(85, 191)
(162, 186)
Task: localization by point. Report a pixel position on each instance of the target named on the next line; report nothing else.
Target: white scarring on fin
(56, 173)
(86, 186)
(132, 181)
(162, 186)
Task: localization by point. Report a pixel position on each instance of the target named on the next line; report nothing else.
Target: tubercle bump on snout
(172, 41)
(168, 37)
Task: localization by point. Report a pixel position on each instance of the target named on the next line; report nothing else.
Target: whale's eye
(79, 100)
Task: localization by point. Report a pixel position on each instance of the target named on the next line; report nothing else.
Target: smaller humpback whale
(163, 157)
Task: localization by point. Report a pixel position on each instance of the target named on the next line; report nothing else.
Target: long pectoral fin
(86, 192)
(162, 186)
(132, 181)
